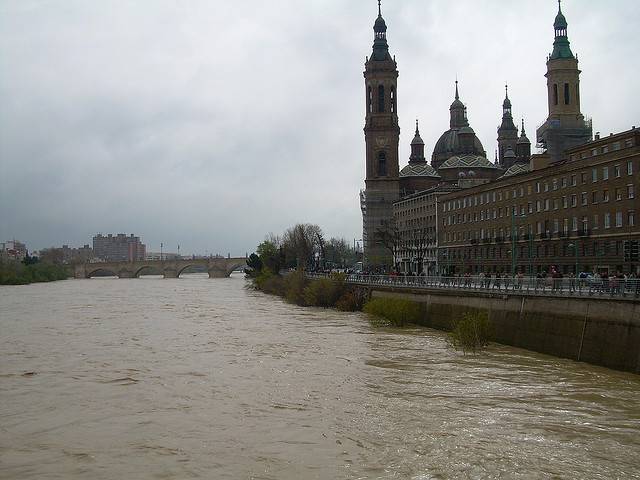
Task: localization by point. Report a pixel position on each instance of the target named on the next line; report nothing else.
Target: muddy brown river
(197, 378)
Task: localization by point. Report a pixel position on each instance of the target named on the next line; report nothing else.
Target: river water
(197, 378)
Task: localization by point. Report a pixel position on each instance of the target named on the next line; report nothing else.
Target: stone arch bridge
(216, 267)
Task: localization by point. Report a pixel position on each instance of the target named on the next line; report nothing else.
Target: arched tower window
(380, 98)
(382, 164)
(555, 94)
(393, 100)
(369, 100)
(567, 97)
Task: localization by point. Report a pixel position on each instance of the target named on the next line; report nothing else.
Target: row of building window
(539, 187)
(415, 211)
(548, 227)
(540, 206)
(419, 221)
(615, 146)
(585, 249)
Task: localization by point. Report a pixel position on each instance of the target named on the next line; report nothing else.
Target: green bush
(270, 283)
(294, 285)
(471, 333)
(15, 273)
(394, 311)
(350, 301)
(323, 292)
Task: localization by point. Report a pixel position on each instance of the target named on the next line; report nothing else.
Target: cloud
(208, 124)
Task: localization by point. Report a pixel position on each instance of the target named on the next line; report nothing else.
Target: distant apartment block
(13, 250)
(118, 248)
(66, 255)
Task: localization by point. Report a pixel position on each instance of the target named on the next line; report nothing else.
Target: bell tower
(565, 127)
(507, 133)
(382, 134)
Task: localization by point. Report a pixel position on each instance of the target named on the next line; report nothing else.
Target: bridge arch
(182, 268)
(93, 272)
(152, 268)
(233, 266)
(225, 270)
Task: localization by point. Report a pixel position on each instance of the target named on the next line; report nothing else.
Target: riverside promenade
(619, 289)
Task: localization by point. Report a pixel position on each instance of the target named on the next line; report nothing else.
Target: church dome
(467, 161)
(449, 143)
(460, 139)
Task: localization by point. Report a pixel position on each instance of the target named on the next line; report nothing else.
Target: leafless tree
(301, 242)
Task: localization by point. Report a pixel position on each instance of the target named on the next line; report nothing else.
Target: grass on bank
(471, 333)
(393, 312)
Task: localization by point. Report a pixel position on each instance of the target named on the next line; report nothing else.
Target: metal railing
(519, 285)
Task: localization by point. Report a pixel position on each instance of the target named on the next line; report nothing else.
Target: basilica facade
(458, 161)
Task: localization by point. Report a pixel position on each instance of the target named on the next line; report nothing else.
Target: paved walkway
(559, 287)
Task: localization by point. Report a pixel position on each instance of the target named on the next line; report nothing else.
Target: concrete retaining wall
(598, 331)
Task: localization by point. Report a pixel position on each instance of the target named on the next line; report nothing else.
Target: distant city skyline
(208, 125)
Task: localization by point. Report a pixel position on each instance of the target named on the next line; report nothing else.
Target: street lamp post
(575, 249)
(513, 241)
(530, 252)
(463, 264)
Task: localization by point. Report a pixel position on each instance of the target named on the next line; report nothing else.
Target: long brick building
(577, 214)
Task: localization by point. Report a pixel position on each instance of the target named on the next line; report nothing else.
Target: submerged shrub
(270, 283)
(294, 285)
(321, 293)
(395, 311)
(471, 333)
(351, 301)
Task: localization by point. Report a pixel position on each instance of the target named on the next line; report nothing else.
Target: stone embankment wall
(603, 332)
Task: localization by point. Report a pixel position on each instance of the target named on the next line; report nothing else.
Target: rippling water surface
(199, 378)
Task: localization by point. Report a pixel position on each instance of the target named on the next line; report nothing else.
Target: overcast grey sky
(210, 123)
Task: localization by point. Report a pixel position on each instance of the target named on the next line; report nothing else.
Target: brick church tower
(382, 135)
